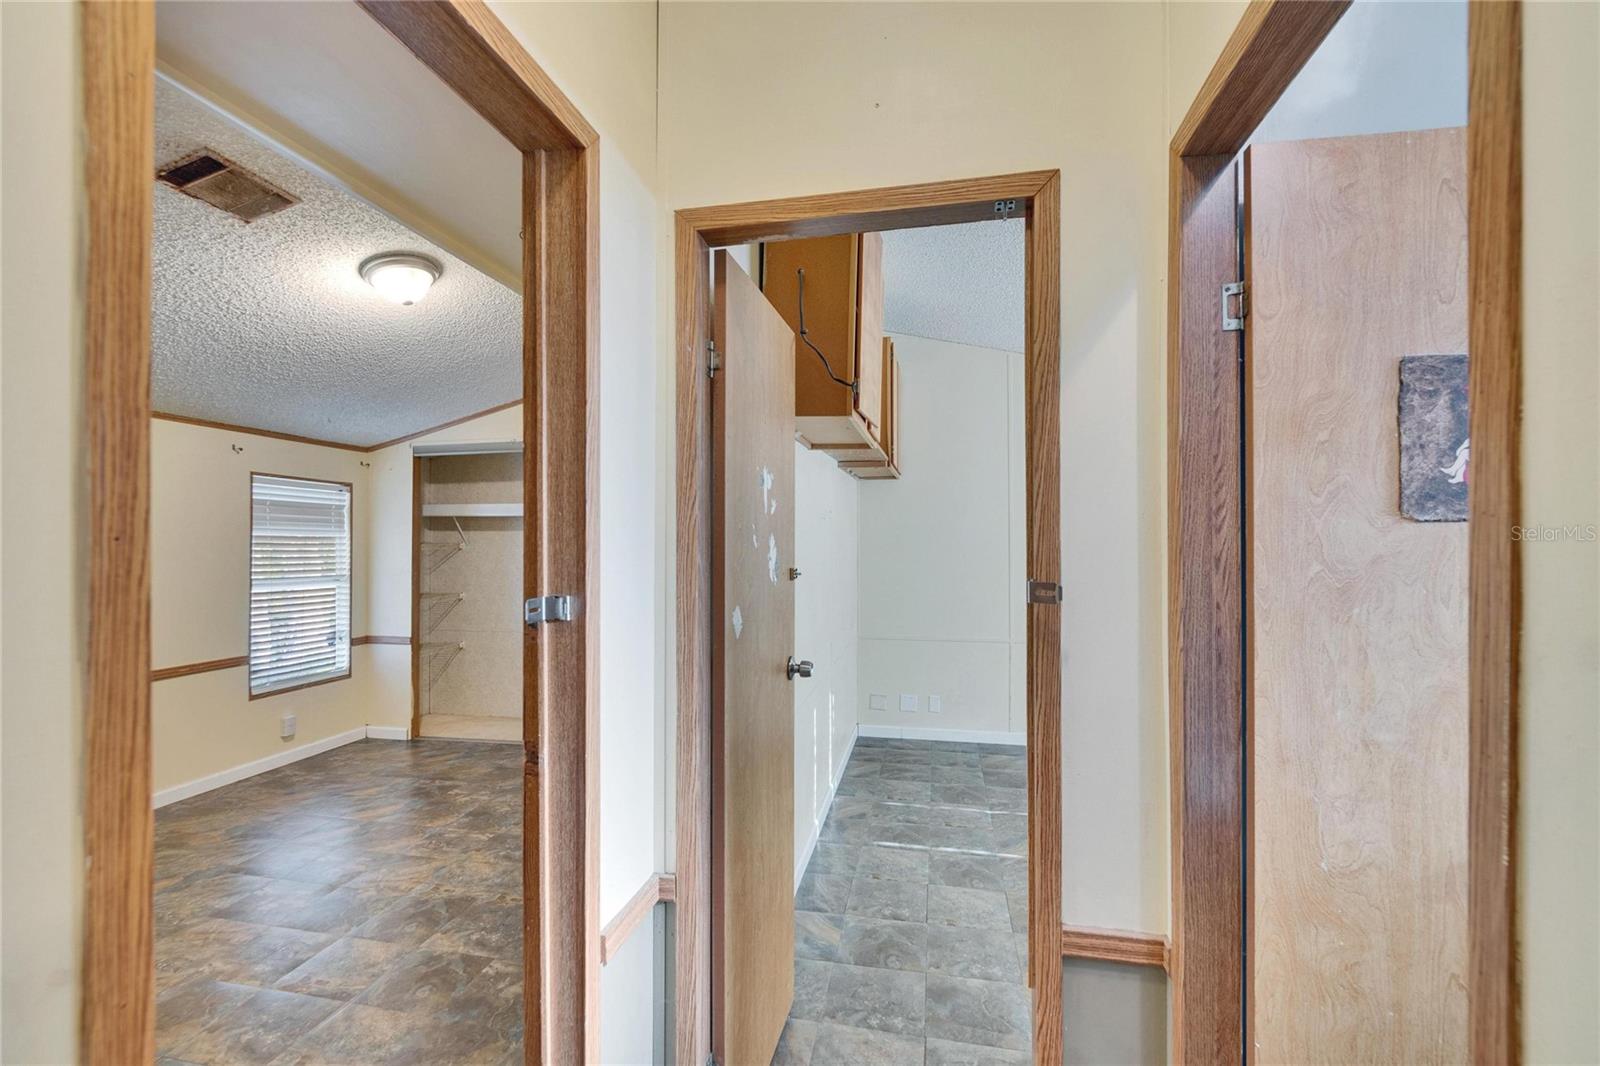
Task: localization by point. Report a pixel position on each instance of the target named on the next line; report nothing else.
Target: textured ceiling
(332, 85)
(269, 325)
(956, 283)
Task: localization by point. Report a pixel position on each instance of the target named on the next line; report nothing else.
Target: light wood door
(1356, 255)
(752, 703)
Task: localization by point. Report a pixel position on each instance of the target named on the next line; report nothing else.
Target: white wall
(942, 548)
(784, 99)
(43, 536)
(826, 526)
(1558, 815)
(1385, 67)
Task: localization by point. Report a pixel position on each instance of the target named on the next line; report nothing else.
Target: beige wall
(206, 724)
(1558, 817)
(42, 534)
(761, 100)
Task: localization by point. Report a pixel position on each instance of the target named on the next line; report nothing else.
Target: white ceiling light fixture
(401, 277)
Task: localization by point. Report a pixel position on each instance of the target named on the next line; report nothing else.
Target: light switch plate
(286, 726)
(877, 701)
(933, 705)
(908, 701)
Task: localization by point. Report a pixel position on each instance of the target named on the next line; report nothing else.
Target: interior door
(1356, 256)
(752, 704)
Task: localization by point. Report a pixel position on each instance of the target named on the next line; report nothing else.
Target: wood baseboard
(658, 888)
(1114, 945)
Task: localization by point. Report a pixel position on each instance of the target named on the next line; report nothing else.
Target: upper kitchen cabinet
(843, 288)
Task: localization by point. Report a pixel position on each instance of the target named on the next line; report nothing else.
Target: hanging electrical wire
(853, 386)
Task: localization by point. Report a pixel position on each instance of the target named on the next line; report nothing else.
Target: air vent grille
(225, 185)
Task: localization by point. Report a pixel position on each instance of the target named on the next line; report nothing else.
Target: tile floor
(360, 906)
(911, 919)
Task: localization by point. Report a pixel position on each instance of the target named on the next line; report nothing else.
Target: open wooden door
(752, 704)
(1356, 257)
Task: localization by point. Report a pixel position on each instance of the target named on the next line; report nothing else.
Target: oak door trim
(1036, 195)
(1273, 40)
(464, 44)
(1494, 583)
(117, 1011)
(417, 471)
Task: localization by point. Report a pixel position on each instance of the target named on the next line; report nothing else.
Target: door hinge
(542, 609)
(1004, 209)
(1044, 592)
(713, 359)
(1234, 323)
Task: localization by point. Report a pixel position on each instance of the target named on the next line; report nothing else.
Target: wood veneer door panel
(869, 333)
(752, 702)
(1356, 256)
(830, 289)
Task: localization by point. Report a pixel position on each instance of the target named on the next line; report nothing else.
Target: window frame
(350, 535)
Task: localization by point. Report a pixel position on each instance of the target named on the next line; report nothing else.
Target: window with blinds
(299, 582)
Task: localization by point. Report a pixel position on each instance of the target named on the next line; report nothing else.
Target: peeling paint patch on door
(738, 623)
(772, 558)
(767, 503)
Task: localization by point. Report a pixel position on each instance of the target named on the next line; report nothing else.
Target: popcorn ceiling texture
(962, 284)
(269, 325)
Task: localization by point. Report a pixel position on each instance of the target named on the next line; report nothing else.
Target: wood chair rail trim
(657, 888)
(1114, 945)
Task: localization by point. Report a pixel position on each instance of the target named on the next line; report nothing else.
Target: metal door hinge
(1004, 209)
(713, 359)
(542, 609)
(1234, 323)
(1044, 592)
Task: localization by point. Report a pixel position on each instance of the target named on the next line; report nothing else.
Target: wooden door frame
(1037, 195)
(1207, 582)
(468, 48)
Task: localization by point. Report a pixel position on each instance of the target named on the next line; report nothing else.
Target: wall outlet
(877, 701)
(933, 705)
(286, 726)
(908, 702)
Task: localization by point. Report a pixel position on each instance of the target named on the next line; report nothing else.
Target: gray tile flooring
(911, 919)
(360, 906)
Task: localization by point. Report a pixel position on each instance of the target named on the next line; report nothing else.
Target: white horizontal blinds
(299, 582)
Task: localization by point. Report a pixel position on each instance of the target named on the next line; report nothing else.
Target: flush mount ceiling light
(401, 277)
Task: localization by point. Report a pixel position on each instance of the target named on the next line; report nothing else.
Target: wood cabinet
(844, 320)
(889, 465)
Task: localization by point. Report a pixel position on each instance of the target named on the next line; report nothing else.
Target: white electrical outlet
(933, 705)
(908, 702)
(877, 701)
(286, 726)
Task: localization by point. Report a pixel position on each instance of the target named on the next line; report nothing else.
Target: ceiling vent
(224, 184)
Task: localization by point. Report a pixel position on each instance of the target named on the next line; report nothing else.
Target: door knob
(800, 667)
